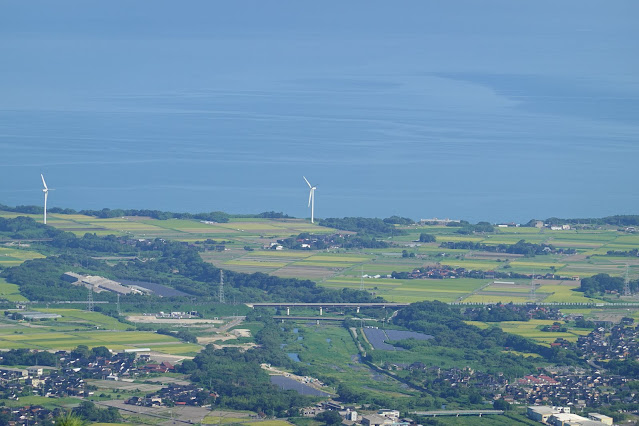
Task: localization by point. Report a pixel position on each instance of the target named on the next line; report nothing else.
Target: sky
(493, 110)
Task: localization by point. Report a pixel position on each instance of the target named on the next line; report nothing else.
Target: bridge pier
(288, 311)
(358, 309)
(321, 311)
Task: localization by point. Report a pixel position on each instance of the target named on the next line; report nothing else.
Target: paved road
(181, 415)
(233, 323)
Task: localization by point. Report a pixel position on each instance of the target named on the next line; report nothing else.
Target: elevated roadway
(321, 306)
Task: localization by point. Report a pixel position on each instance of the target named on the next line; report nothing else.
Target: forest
(520, 247)
(362, 225)
(165, 262)
(604, 283)
(239, 380)
(306, 241)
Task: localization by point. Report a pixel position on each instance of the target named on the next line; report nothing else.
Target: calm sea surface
(492, 111)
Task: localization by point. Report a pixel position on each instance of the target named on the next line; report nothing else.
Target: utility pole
(626, 284)
(118, 304)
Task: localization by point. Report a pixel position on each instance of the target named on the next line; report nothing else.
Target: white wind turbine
(311, 198)
(46, 194)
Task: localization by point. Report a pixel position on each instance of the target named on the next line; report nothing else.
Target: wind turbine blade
(43, 182)
(307, 182)
(310, 194)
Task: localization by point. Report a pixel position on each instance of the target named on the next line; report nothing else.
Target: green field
(114, 340)
(226, 418)
(94, 319)
(13, 256)
(331, 351)
(10, 292)
(340, 268)
(77, 327)
(532, 330)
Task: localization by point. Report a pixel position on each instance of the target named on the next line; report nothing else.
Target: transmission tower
(532, 287)
(221, 293)
(626, 284)
(118, 304)
(90, 300)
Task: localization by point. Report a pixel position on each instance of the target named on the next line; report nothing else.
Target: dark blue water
(293, 356)
(287, 383)
(493, 110)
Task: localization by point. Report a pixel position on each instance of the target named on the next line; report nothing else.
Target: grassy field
(10, 292)
(532, 330)
(330, 351)
(116, 340)
(77, 327)
(43, 401)
(13, 256)
(226, 417)
(91, 319)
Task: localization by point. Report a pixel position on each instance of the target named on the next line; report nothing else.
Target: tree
(82, 351)
(426, 238)
(329, 417)
(69, 419)
(101, 352)
(501, 404)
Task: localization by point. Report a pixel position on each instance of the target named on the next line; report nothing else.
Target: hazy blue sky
(494, 110)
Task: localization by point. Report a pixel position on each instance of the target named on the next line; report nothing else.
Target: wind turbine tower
(311, 198)
(46, 195)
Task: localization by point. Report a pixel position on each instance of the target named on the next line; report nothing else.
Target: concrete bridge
(321, 306)
(309, 318)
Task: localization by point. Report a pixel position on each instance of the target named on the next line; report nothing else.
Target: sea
(492, 110)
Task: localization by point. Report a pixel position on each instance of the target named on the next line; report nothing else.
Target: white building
(35, 371)
(541, 413)
(568, 419)
(601, 418)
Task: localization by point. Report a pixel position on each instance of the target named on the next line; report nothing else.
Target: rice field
(92, 318)
(259, 263)
(288, 253)
(67, 341)
(214, 419)
(114, 340)
(563, 293)
(498, 298)
(409, 291)
(11, 256)
(532, 330)
(331, 268)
